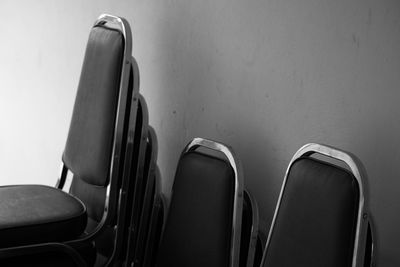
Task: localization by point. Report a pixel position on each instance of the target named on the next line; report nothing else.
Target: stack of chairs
(107, 208)
(107, 166)
(146, 211)
(41, 225)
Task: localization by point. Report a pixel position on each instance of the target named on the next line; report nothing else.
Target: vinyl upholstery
(199, 223)
(89, 144)
(316, 222)
(37, 213)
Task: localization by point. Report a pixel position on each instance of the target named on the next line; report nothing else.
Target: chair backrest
(321, 217)
(94, 150)
(250, 221)
(133, 172)
(203, 225)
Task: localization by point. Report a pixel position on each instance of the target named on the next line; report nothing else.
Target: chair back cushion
(198, 229)
(317, 217)
(89, 145)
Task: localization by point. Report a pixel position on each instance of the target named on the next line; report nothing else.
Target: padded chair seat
(37, 213)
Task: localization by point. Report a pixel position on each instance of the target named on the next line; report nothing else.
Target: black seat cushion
(38, 213)
(198, 229)
(316, 221)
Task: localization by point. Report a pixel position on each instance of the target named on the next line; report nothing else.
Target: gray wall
(263, 76)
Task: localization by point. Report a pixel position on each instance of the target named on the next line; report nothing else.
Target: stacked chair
(322, 216)
(85, 219)
(107, 208)
(211, 221)
(203, 226)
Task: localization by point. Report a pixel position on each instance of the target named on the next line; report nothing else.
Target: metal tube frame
(135, 253)
(254, 229)
(127, 199)
(238, 199)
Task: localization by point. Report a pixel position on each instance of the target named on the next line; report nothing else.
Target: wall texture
(264, 76)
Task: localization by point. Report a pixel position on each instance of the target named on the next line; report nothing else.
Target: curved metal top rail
(346, 157)
(120, 24)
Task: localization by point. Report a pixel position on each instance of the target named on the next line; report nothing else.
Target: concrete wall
(263, 76)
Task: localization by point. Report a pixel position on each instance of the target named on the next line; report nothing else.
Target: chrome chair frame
(133, 170)
(133, 220)
(238, 198)
(371, 246)
(156, 223)
(138, 233)
(358, 170)
(254, 228)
